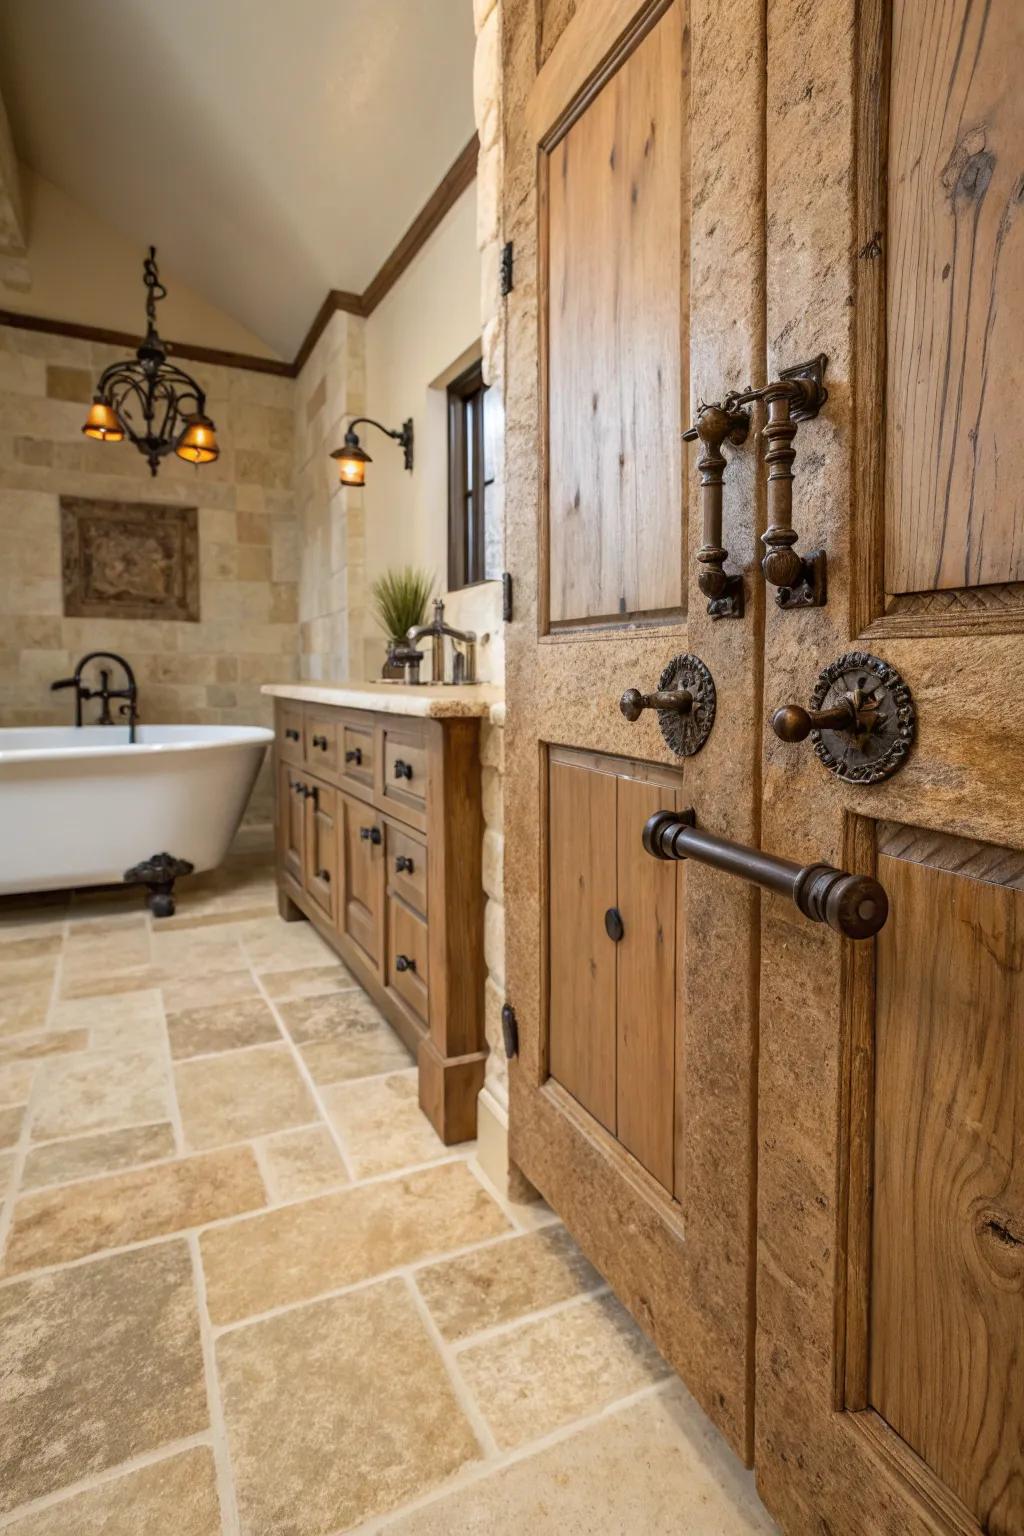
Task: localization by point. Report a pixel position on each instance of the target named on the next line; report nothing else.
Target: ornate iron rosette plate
(876, 753)
(686, 734)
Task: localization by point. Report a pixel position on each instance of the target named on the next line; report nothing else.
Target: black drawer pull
(403, 865)
(354, 755)
(405, 963)
(403, 770)
(370, 835)
(324, 875)
(291, 734)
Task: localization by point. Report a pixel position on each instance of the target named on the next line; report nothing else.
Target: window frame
(467, 482)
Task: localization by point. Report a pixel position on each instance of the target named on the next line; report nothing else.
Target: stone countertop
(429, 700)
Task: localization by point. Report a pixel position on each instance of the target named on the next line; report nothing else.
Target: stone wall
(334, 622)
(208, 672)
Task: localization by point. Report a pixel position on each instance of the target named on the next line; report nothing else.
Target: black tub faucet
(104, 692)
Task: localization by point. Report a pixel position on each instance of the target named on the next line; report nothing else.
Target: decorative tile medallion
(129, 560)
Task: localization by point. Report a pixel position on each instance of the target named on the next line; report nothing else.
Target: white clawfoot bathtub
(80, 806)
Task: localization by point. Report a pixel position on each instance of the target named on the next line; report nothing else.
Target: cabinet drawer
(289, 735)
(407, 957)
(321, 741)
(361, 892)
(356, 752)
(407, 867)
(403, 782)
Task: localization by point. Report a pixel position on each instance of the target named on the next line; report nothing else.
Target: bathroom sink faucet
(104, 692)
(463, 669)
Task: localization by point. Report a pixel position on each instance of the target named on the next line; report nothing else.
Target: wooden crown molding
(458, 177)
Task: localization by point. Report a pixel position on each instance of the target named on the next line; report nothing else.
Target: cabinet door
(291, 822)
(321, 851)
(362, 890)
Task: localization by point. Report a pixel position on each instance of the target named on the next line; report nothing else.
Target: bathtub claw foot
(158, 874)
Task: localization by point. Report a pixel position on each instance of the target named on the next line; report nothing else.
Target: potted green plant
(400, 599)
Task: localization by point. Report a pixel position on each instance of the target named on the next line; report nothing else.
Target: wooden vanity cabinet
(379, 833)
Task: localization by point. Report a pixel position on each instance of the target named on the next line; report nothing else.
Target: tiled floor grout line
(218, 1426)
(481, 1471)
(109, 1475)
(333, 1130)
(463, 1396)
(543, 1215)
(512, 1325)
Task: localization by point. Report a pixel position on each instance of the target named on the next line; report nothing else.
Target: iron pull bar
(798, 394)
(717, 424)
(854, 905)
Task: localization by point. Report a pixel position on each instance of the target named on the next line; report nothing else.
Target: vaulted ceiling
(271, 151)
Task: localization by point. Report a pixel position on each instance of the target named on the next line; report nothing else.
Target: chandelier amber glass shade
(102, 424)
(198, 442)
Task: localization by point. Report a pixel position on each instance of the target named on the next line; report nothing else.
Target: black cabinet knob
(403, 865)
(320, 742)
(354, 755)
(613, 924)
(403, 770)
(371, 835)
(404, 963)
(324, 875)
(290, 734)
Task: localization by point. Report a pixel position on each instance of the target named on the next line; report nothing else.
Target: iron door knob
(791, 723)
(291, 735)
(403, 770)
(403, 865)
(633, 702)
(370, 835)
(405, 963)
(320, 742)
(324, 875)
(354, 755)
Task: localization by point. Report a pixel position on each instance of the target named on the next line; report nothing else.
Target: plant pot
(392, 670)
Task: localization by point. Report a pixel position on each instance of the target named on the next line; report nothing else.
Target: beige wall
(210, 671)
(80, 269)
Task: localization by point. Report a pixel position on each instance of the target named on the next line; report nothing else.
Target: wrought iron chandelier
(156, 405)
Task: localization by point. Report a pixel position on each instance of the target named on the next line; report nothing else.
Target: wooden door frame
(686, 1274)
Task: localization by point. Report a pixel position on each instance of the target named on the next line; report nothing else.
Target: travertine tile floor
(245, 1289)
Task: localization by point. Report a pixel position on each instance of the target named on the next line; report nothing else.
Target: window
(471, 429)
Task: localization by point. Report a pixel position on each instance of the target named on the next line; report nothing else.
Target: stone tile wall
(208, 672)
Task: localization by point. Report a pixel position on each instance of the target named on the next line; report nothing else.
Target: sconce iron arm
(403, 436)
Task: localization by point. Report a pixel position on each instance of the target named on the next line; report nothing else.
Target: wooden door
(630, 300)
(291, 821)
(321, 850)
(890, 1290)
(360, 914)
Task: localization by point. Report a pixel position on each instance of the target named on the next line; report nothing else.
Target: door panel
(321, 851)
(291, 822)
(363, 876)
(614, 247)
(582, 957)
(617, 306)
(948, 1217)
(649, 965)
(955, 299)
(889, 1075)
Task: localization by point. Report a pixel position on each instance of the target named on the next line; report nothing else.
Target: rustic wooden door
(634, 984)
(890, 1285)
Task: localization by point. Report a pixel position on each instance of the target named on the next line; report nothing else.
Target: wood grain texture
(646, 986)
(948, 1231)
(691, 1292)
(614, 322)
(581, 886)
(955, 459)
(361, 904)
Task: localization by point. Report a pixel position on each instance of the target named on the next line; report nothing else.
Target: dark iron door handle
(405, 963)
(324, 875)
(354, 755)
(854, 905)
(321, 742)
(291, 735)
(370, 835)
(403, 865)
(402, 770)
(633, 702)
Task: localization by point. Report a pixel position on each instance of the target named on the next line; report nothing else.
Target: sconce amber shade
(198, 443)
(102, 424)
(352, 461)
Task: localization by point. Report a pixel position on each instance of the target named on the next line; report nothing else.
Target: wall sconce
(352, 456)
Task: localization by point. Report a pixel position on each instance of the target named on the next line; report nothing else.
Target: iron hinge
(510, 1030)
(506, 596)
(506, 269)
